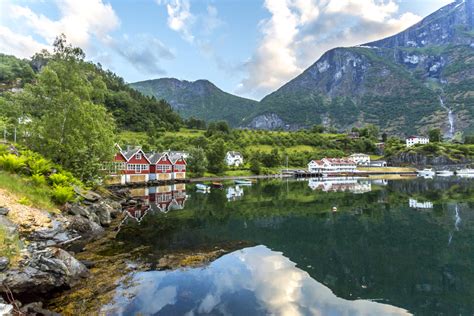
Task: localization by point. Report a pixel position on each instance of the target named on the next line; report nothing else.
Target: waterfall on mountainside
(451, 131)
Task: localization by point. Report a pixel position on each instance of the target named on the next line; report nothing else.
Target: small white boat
(426, 172)
(465, 172)
(202, 187)
(444, 173)
(243, 181)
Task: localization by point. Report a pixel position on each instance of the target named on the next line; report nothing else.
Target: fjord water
(391, 247)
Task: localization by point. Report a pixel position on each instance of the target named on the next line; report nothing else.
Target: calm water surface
(391, 248)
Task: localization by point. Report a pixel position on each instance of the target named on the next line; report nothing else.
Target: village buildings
(133, 165)
(414, 140)
(360, 159)
(332, 165)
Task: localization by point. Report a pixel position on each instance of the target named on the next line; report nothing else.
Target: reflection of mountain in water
(251, 281)
(374, 246)
(340, 185)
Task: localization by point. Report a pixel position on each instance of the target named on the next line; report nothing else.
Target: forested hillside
(200, 99)
(71, 110)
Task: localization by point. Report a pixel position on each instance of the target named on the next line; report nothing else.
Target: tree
(469, 139)
(255, 166)
(69, 123)
(318, 129)
(197, 161)
(220, 127)
(215, 156)
(384, 137)
(434, 135)
(370, 131)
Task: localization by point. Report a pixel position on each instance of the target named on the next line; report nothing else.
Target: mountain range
(418, 79)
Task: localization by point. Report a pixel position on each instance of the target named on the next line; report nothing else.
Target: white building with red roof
(332, 165)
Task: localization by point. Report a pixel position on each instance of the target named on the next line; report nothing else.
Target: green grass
(37, 196)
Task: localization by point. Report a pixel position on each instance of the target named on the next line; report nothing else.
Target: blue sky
(246, 47)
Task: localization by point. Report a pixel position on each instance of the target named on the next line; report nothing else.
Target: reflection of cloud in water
(253, 280)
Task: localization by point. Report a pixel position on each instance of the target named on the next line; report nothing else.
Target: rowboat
(243, 181)
(202, 187)
(217, 185)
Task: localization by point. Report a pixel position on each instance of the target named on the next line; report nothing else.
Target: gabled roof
(154, 157)
(414, 136)
(132, 151)
(175, 156)
(234, 153)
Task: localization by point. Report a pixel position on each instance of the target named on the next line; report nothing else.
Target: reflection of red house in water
(169, 197)
(163, 198)
(138, 212)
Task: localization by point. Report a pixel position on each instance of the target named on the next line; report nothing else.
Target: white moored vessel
(465, 173)
(444, 173)
(426, 172)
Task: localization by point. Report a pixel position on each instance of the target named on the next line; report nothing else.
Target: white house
(413, 140)
(360, 159)
(332, 165)
(233, 158)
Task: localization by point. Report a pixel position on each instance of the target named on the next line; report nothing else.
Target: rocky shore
(42, 259)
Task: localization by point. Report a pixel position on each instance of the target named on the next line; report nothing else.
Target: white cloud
(80, 21)
(180, 18)
(144, 52)
(298, 32)
(17, 44)
(211, 20)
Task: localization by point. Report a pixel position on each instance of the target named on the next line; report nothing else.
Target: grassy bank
(27, 193)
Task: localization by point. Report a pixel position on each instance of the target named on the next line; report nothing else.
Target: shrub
(24, 201)
(62, 194)
(38, 179)
(39, 165)
(59, 179)
(11, 163)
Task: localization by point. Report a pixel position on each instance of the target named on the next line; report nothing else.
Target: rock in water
(44, 271)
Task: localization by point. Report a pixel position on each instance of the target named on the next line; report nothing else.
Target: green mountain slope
(200, 99)
(405, 84)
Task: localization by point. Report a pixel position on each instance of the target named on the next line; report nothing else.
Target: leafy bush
(38, 179)
(24, 201)
(59, 179)
(11, 163)
(62, 194)
(38, 164)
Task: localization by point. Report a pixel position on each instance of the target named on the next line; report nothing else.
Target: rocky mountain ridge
(407, 83)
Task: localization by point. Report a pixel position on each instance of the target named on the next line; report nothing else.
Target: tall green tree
(197, 161)
(215, 156)
(435, 135)
(69, 123)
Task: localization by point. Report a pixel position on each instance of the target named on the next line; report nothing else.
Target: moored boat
(427, 172)
(202, 187)
(444, 173)
(465, 171)
(217, 185)
(243, 181)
